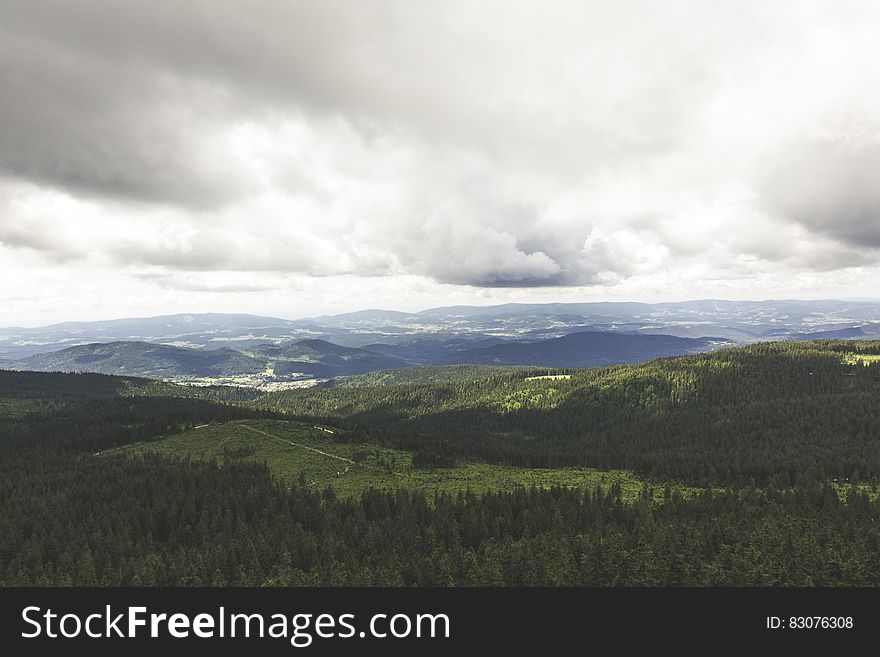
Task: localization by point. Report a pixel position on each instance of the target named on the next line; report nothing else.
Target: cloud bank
(495, 145)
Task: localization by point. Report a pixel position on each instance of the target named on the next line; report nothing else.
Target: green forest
(754, 466)
(771, 414)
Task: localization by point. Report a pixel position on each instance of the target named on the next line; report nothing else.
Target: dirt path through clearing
(290, 442)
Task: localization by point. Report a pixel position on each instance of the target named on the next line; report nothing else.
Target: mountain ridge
(431, 335)
(583, 349)
(315, 360)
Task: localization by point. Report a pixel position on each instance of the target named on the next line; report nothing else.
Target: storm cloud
(496, 145)
(830, 186)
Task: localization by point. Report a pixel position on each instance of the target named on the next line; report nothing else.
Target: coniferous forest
(759, 468)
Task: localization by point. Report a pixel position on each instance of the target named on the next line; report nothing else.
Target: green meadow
(304, 452)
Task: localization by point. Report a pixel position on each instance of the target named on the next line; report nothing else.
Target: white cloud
(598, 148)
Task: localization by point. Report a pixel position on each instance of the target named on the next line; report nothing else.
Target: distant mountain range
(431, 334)
(318, 359)
(142, 359)
(210, 330)
(251, 348)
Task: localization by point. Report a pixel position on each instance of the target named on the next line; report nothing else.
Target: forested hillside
(428, 374)
(143, 359)
(85, 501)
(766, 414)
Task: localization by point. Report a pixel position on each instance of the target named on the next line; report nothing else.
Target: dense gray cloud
(491, 144)
(830, 186)
(83, 123)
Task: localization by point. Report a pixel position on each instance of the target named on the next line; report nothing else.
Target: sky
(308, 157)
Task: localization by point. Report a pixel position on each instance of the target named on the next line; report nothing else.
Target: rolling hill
(143, 359)
(263, 363)
(322, 359)
(588, 349)
(319, 359)
(772, 413)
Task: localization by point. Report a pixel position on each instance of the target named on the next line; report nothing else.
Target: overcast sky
(302, 157)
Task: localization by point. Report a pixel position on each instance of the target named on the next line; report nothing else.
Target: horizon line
(430, 308)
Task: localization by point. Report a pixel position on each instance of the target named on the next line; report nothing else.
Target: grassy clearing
(296, 450)
(480, 477)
